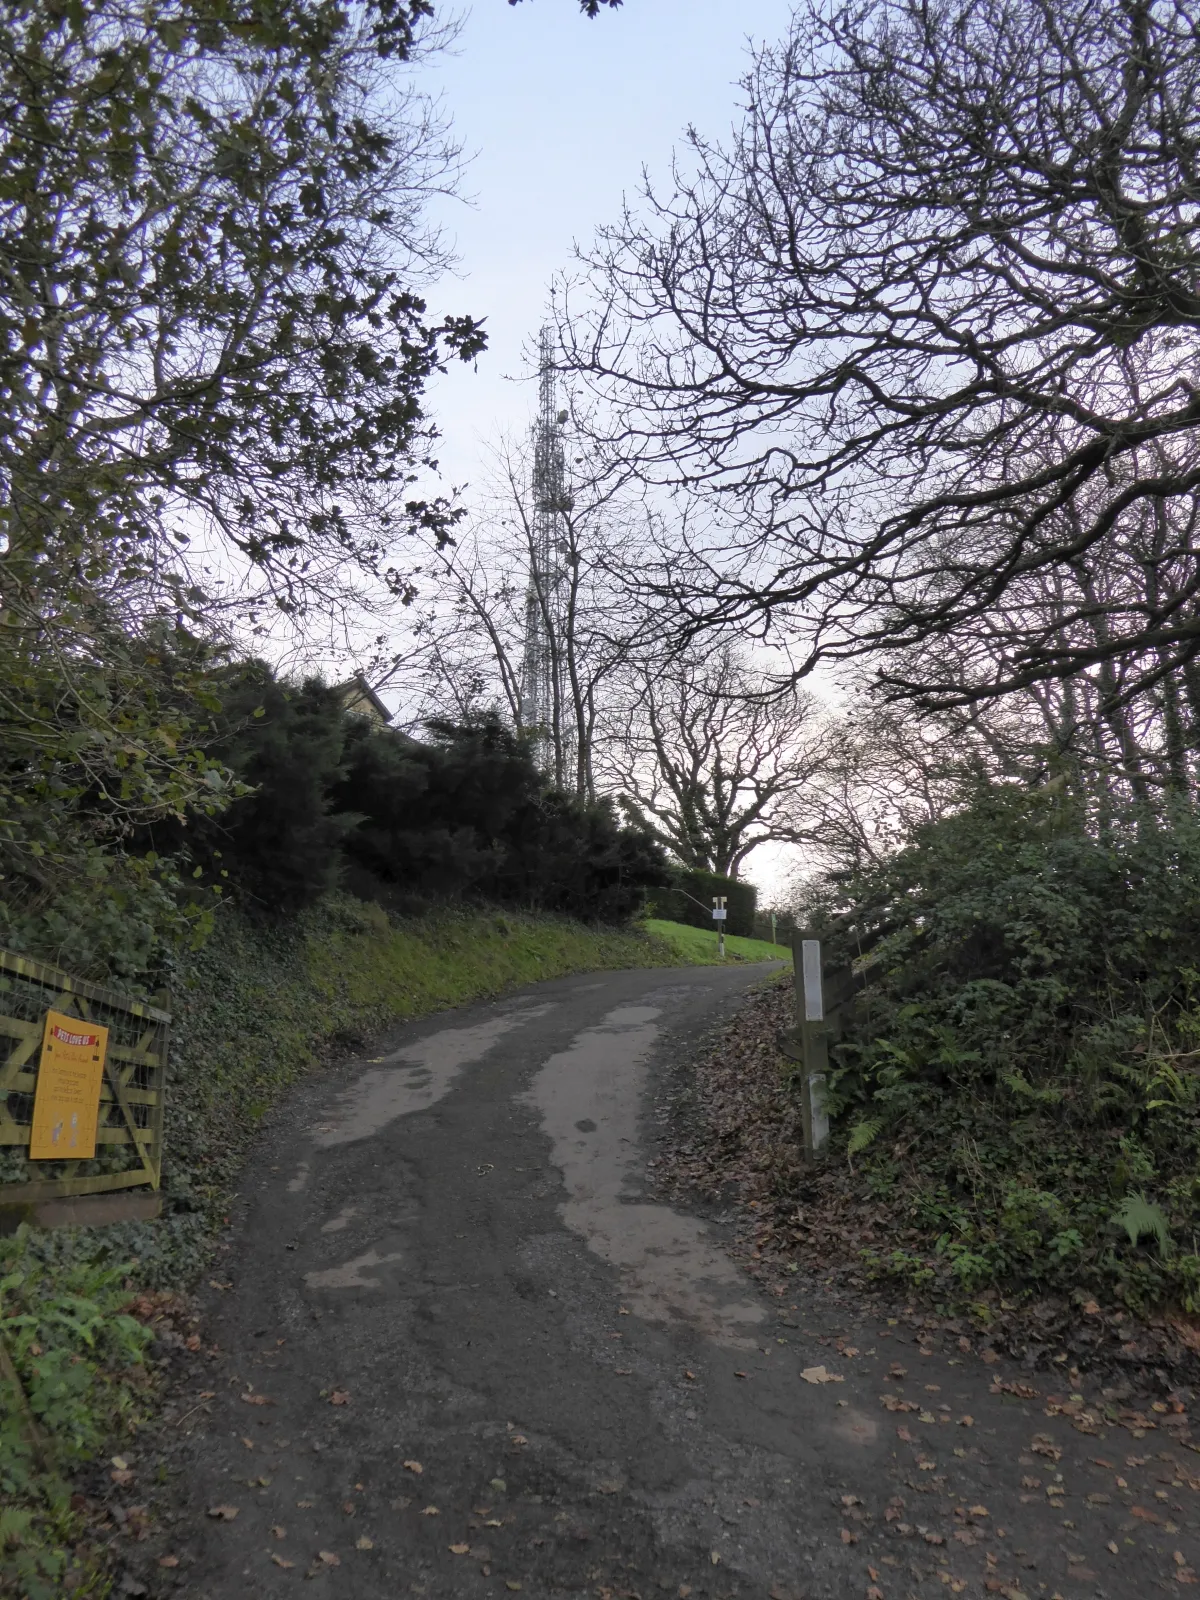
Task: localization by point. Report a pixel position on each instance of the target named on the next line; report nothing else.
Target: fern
(862, 1134)
(1139, 1217)
(1025, 1090)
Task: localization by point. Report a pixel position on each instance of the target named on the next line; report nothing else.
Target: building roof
(360, 699)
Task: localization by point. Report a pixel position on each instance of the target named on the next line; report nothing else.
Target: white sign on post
(719, 916)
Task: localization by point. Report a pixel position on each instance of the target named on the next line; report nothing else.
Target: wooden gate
(129, 1134)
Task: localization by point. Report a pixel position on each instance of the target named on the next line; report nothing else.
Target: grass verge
(698, 946)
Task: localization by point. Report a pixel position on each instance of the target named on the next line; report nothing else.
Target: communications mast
(541, 674)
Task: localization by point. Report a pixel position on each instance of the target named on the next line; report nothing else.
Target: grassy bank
(255, 1011)
(698, 946)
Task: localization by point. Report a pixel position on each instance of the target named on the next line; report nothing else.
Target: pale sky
(561, 114)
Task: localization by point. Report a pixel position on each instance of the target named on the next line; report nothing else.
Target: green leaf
(862, 1134)
(1139, 1217)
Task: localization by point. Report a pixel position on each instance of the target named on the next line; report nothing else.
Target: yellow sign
(66, 1102)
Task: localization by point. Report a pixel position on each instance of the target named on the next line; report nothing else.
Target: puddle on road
(672, 1267)
(414, 1078)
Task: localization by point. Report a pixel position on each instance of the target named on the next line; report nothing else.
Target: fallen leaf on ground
(223, 1513)
(460, 1549)
(363, 1543)
(340, 1397)
(328, 1559)
(278, 1532)
(819, 1375)
(511, 1583)
(122, 1477)
(168, 1561)
(250, 1398)
(431, 1511)
(281, 1561)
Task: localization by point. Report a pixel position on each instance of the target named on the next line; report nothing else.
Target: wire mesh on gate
(129, 1131)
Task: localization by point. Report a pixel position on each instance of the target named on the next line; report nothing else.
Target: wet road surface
(463, 1353)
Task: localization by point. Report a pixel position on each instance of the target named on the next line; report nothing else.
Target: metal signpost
(719, 919)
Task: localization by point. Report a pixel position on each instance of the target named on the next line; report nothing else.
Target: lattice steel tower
(541, 675)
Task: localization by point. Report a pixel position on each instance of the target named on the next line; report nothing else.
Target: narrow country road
(464, 1354)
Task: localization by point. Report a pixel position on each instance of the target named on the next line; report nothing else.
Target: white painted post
(719, 915)
(816, 1049)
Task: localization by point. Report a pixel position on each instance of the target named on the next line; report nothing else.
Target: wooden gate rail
(131, 1098)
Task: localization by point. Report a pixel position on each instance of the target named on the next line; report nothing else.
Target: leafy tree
(207, 324)
(212, 354)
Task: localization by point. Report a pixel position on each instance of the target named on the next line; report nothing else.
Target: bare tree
(927, 326)
(709, 764)
(468, 639)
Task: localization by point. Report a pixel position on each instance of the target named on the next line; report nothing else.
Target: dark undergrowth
(1013, 1230)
